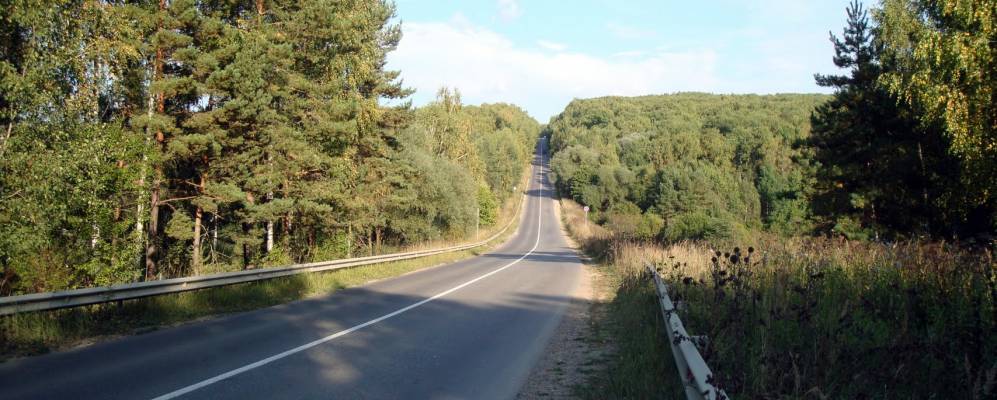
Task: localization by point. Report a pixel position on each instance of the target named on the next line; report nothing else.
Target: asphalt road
(472, 329)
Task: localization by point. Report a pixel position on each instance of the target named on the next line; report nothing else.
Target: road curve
(467, 330)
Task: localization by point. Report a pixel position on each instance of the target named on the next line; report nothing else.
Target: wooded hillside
(688, 165)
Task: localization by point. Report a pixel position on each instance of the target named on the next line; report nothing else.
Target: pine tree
(879, 170)
(169, 96)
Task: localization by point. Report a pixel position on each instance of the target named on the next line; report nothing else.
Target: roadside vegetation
(799, 317)
(639, 363)
(829, 246)
(41, 332)
(829, 318)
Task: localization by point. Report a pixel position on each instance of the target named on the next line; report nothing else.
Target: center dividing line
(182, 391)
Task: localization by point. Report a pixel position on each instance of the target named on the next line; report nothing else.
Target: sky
(541, 54)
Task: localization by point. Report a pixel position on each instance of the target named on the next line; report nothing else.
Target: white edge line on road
(182, 391)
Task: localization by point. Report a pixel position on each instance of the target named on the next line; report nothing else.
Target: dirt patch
(576, 351)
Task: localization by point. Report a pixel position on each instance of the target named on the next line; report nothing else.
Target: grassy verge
(41, 332)
(803, 317)
(640, 364)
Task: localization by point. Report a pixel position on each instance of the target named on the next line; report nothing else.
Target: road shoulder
(574, 353)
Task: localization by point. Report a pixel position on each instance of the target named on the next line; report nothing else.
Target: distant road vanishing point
(470, 329)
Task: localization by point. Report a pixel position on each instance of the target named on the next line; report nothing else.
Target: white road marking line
(182, 391)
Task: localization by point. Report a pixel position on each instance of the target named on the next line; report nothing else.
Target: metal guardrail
(81, 297)
(695, 374)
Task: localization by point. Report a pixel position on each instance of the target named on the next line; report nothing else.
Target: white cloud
(630, 53)
(509, 10)
(629, 32)
(549, 45)
(487, 67)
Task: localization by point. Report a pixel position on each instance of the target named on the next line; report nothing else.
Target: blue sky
(541, 54)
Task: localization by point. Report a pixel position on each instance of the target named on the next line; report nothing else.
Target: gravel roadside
(574, 352)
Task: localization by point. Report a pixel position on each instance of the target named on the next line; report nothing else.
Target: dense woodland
(905, 147)
(144, 140)
(690, 165)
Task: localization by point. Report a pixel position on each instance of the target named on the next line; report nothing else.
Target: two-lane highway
(470, 329)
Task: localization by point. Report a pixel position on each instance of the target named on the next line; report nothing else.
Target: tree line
(905, 147)
(164, 138)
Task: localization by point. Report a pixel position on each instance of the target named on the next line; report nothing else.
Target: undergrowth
(802, 318)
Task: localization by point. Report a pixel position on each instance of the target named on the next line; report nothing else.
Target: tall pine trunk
(377, 239)
(153, 234)
(214, 236)
(195, 257)
(143, 170)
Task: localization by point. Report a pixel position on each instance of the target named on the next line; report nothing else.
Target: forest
(687, 166)
(146, 140)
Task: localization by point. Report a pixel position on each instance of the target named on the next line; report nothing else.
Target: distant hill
(688, 165)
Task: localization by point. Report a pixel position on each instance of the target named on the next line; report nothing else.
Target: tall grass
(825, 318)
(811, 317)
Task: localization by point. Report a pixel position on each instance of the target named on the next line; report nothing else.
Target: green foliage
(850, 228)
(163, 139)
(887, 166)
(180, 227)
(632, 321)
(487, 205)
(460, 159)
(705, 165)
(944, 59)
(698, 226)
